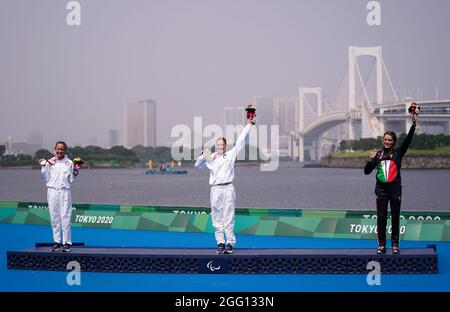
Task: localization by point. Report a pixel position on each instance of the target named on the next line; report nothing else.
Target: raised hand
(372, 156)
(206, 153)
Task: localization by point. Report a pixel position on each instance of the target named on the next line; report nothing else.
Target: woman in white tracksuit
(223, 194)
(58, 173)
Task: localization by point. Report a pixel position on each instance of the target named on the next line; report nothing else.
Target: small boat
(164, 169)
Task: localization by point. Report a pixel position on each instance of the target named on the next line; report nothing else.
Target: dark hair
(392, 134)
(63, 143)
(223, 139)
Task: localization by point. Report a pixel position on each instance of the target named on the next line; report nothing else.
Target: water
(288, 187)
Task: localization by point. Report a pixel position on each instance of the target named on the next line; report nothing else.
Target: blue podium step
(242, 261)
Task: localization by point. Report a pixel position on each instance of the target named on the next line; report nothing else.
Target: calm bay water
(288, 187)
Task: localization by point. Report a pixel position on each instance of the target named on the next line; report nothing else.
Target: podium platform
(242, 261)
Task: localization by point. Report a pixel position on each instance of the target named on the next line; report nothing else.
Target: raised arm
(200, 163)
(73, 173)
(371, 163)
(404, 147)
(45, 172)
(240, 142)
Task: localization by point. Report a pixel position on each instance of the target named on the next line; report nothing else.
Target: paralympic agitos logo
(211, 266)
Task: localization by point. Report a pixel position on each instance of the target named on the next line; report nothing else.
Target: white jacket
(60, 175)
(222, 166)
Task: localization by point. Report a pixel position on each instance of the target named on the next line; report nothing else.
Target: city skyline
(196, 57)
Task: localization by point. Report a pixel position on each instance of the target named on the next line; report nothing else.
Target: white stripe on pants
(223, 199)
(60, 207)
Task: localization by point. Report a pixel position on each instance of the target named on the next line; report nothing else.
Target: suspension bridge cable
(362, 83)
(340, 85)
(390, 81)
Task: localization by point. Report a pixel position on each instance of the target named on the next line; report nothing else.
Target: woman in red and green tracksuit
(388, 188)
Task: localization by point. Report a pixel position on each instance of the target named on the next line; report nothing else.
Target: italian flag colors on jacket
(387, 171)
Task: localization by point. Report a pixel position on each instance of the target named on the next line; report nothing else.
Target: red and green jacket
(389, 161)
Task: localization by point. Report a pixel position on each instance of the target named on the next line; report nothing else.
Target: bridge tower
(317, 91)
(353, 53)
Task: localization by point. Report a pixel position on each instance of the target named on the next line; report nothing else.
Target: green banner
(271, 222)
(287, 212)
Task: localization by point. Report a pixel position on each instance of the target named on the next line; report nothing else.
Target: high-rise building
(113, 137)
(265, 116)
(265, 111)
(234, 116)
(284, 116)
(14, 148)
(9, 147)
(140, 123)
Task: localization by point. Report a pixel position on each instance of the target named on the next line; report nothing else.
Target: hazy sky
(193, 57)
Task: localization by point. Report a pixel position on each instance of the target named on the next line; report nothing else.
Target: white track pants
(223, 199)
(60, 207)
